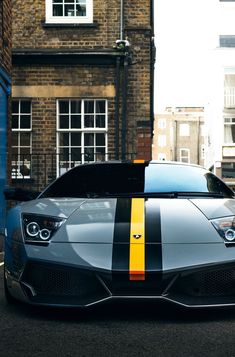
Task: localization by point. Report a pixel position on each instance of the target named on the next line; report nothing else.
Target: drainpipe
(117, 97)
(122, 20)
(124, 106)
(152, 64)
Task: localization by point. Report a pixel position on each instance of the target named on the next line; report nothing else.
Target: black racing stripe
(121, 238)
(153, 237)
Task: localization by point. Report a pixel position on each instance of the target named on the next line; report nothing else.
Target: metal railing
(36, 171)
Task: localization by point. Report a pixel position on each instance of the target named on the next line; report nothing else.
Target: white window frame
(83, 130)
(161, 123)
(50, 19)
(16, 174)
(228, 121)
(187, 157)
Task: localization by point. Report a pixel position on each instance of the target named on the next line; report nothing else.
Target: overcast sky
(184, 39)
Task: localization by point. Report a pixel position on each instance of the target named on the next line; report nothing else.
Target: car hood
(165, 221)
(215, 208)
(57, 207)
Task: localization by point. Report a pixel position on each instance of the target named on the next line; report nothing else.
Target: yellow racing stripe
(137, 240)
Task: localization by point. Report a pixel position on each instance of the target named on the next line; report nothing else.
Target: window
(161, 123)
(21, 138)
(184, 129)
(228, 170)
(227, 41)
(161, 140)
(229, 130)
(69, 11)
(81, 132)
(185, 155)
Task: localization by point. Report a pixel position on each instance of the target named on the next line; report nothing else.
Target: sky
(184, 40)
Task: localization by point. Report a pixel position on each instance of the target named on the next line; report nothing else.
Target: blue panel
(3, 126)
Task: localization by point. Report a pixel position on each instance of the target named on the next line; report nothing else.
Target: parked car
(117, 230)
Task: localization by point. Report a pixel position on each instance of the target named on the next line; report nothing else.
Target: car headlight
(40, 228)
(226, 228)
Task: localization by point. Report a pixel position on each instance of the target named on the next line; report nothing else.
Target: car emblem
(137, 236)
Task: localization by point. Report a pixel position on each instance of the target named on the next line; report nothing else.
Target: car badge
(137, 236)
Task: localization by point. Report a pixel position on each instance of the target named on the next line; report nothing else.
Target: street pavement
(133, 330)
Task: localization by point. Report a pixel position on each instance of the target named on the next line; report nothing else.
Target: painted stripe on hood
(137, 240)
(136, 257)
(121, 238)
(153, 236)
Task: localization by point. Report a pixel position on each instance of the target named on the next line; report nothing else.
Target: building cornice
(65, 56)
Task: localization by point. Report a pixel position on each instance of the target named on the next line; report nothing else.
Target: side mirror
(19, 194)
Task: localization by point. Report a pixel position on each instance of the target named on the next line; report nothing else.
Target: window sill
(69, 25)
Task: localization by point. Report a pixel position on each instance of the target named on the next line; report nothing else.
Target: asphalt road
(116, 330)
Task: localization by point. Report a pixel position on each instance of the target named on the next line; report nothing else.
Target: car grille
(208, 283)
(60, 283)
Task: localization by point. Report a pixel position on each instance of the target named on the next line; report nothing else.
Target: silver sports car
(124, 230)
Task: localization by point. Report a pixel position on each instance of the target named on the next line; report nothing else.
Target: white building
(220, 151)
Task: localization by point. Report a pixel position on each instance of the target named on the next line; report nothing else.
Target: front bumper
(63, 285)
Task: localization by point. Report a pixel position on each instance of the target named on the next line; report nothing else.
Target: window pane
(229, 134)
(14, 139)
(100, 106)
(89, 139)
(89, 121)
(25, 122)
(15, 106)
(69, 10)
(64, 122)
(57, 10)
(57, 1)
(64, 106)
(100, 139)
(64, 154)
(81, 10)
(25, 107)
(100, 154)
(25, 152)
(100, 121)
(64, 139)
(75, 139)
(76, 106)
(15, 123)
(76, 154)
(24, 139)
(89, 154)
(89, 106)
(76, 121)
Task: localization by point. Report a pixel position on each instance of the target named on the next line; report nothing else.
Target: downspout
(124, 106)
(117, 97)
(152, 63)
(122, 20)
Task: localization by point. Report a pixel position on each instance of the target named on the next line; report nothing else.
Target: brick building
(82, 84)
(5, 81)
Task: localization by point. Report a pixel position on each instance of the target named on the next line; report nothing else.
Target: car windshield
(107, 179)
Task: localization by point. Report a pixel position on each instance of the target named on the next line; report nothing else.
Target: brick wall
(5, 35)
(91, 81)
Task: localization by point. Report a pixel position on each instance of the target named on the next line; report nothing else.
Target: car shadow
(160, 312)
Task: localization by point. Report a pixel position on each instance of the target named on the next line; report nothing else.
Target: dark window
(227, 41)
(228, 170)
